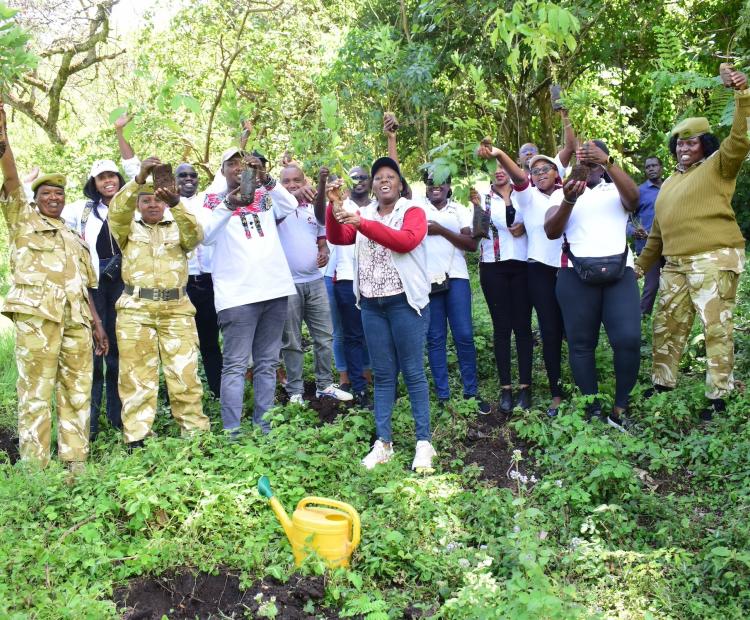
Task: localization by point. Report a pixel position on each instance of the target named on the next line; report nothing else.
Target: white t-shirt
(299, 233)
(249, 265)
(342, 259)
(533, 204)
(501, 245)
(442, 256)
(597, 224)
(199, 259)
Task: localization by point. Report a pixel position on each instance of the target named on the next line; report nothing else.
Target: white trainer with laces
(381, 453)
(333, 391)
(423, 456)
(296, 399)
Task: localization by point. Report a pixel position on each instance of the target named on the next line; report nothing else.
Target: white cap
(103, 165)
(231, 152)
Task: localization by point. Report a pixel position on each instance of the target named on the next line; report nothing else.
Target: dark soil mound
(9, 445)
(328, 409)
(182, 594)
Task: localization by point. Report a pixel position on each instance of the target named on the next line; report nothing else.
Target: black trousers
(585, 308)
(651, 286)
(542, 282)
(200, 290)
(506, 291)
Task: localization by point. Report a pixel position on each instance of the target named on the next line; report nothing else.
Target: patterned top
(153, 255)
(51, 265)
(378, 276)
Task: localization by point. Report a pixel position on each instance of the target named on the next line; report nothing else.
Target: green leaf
(117, 113)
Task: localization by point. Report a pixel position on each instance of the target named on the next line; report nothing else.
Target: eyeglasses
(190, 175)
(359, 177)
(541, 170)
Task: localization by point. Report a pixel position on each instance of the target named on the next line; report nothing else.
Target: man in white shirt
(304, 243)
(252, 281)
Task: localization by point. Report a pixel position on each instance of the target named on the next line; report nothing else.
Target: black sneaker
(134, 445)
(593, 413)
(552, 412)
(483, 406)
(524, 398)
(620, 422)
(506, 400)
(655, 389)
(362, 400)
(716, 405)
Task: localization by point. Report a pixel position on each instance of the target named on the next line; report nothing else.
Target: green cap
(146, 188)
(53, 178)
(691, 127)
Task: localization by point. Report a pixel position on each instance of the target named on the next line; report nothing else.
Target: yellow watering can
(330, 528)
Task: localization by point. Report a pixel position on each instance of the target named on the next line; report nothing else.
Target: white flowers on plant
(464, 563)
(559, 483)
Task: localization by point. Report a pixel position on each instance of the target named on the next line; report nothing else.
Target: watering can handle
(353, 514)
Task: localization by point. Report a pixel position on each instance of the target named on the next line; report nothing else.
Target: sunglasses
(190, 175)
(359, 177)
(541, 169)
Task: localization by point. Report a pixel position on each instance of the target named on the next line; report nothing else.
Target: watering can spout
(264, 488)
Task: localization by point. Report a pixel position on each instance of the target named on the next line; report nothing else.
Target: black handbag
(597, 269)
(437, 288)
(113, 269)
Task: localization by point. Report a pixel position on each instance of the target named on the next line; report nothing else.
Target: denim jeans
(311, 305)
(105, 297)
(452, 307)
(339, 356)
(354, 337)
(253, 328)
(396, 337)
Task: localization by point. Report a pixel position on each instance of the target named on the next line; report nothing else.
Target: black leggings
(506, 290)
(542, 281)
(584, 308)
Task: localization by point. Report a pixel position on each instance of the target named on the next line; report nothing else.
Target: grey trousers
(250, 329)
(311, 305)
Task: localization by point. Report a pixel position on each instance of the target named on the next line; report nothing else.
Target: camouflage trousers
(705, 284)
(53, 357)
(144, 336)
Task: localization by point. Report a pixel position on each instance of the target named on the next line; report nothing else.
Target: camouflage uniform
(706, 283)
(48, 303)
(154, 263)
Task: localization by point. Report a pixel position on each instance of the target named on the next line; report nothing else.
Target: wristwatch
(610, 162)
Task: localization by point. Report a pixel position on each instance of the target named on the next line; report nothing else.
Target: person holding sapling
(392, 287)
(503, 274)
(89, 218)
(304, 243)
(532, 198)
(640, 225)
(696, 231)
(54, 315)
(252, 282)
(596, 284)
(154, 315)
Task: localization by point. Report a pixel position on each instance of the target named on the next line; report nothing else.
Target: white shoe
(380, 453)
(423, 455)
(296, 399)
(333, 391)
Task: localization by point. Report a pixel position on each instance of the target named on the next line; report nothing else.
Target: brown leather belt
(155, 294)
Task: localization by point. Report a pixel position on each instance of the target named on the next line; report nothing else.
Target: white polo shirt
(299, 233)
(598, 222)
(342, 256)
(501, 245)
(533, 204)
(442, 256)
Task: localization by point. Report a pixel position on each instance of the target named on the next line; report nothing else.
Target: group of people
(106, 288)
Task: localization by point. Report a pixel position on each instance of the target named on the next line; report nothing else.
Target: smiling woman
(392, 287)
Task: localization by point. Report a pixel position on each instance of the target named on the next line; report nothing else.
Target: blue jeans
(339, 356)
(354, 337)
(107, 367)
(395, 337)
(452, 307)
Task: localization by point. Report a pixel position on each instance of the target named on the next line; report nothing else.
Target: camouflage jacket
(50, 265)
(153, 255)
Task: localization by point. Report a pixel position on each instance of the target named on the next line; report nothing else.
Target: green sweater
(693, 212)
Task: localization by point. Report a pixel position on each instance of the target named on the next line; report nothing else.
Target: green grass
(587, 537)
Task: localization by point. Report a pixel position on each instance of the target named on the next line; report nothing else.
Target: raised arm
(591, 154)
(566, 153)
(191, 232)
(130, 162)
(11, 180)
(515, 172)
(390, 126)
(735, 146)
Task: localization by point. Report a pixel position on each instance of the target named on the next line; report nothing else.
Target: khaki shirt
(153, 255)
(51, 265)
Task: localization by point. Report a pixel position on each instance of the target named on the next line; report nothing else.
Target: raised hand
(147, 165)
(485, 150)
(165, 195)
(475, 198)
(390, 124)
(123, 120)
(254, 162)
(304, 194)
(590, 154)
(573, 189)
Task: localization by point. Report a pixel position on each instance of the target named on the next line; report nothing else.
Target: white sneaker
(333, 391)
(380, 453)
(296, 399)
(423, 455)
